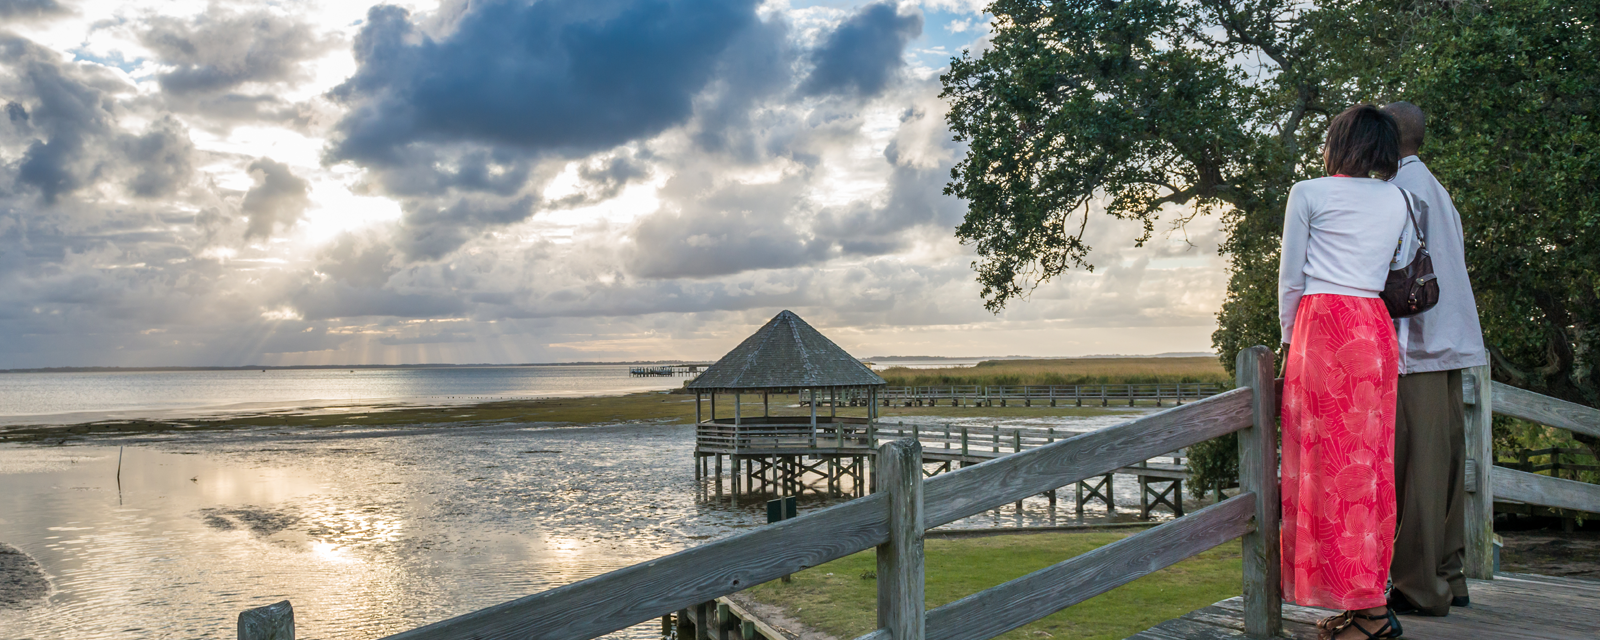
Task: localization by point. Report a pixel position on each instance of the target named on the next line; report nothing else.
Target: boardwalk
(1513, 606)
(1078, 395)
(778, 453)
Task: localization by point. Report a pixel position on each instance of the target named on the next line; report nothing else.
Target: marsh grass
(652, 407)
(840, 597)
(1066, 371)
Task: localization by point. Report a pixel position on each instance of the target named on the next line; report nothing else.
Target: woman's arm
(1291, 267)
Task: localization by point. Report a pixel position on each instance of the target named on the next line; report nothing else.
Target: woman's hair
(1361, 141)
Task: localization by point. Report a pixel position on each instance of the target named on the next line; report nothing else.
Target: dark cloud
(160, 158)
(69, 111)
(556, 76)
(217, 52)
(278, 200)
(864, 54)
(432, 231)
(31, 9)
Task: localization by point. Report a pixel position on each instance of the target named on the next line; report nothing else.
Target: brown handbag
(1411, 289)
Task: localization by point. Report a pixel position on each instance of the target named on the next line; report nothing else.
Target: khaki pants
(1430, 462)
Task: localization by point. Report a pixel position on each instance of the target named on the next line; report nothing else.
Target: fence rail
(1488, 482)
(894, 519)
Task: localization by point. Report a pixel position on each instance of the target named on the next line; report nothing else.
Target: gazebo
(786, 356)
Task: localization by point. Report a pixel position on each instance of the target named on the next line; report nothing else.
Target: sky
(287, 182)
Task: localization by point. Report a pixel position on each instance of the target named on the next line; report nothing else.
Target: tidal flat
(373, 520)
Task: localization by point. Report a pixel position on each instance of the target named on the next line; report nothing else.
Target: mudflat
(21, 579)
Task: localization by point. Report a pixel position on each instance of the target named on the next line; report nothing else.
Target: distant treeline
(1066, 371)
(336, 366)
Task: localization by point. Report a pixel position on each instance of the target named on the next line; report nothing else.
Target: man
(1430, 438)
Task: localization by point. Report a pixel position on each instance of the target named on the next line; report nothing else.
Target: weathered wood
(1534, 407)
(272, 622)
(702, 620)
(1258, 474)
(994, 611)
(1478, 561)
(975, 489)
(900, 586)
(1531, 488)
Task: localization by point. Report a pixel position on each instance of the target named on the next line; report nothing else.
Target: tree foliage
(1195, 107)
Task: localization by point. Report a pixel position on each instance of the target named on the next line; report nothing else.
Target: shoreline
(639, 406)
(560, 409)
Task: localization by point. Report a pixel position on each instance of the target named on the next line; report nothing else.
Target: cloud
(278, 200)
(219, 51)
(161, 158)
(557, 76)
(31, 9)
(66, 108)
(864, 54)
(442, 336)
(65, 115)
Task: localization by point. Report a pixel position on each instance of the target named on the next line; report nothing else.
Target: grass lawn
(840, 597)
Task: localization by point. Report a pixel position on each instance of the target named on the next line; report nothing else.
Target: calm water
(367, 532)
(81, 397)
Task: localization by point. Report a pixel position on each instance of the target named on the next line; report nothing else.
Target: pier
(768, 456)
(667, 370)
(1101, 395)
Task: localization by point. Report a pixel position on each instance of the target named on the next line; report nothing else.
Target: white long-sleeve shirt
(1340, 236)
(1448, 336)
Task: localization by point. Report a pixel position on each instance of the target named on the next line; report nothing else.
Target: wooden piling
(900, 560)
(272, 622)
(1258, 465)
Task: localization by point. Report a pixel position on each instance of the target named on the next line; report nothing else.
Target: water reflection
(368, 532)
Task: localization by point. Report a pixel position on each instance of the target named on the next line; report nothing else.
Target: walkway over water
(778, 453)
(1513, 606)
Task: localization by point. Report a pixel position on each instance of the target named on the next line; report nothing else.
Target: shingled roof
(786, 353)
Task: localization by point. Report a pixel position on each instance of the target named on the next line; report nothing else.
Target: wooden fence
(1076, 394)
(893, 520)
(1487, 483)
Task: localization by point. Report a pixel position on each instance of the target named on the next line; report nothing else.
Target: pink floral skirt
(1338, 453)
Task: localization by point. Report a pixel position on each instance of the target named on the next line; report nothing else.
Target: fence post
(1258, 474)
(1479, 560)
(900, 588)
(272, 622)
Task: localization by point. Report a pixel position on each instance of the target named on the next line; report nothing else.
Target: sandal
(1334, 624)
(1390, 628)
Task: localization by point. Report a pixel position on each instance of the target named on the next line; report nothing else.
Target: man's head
(1412, 123)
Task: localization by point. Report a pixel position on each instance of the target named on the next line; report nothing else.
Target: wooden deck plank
(1511, 607)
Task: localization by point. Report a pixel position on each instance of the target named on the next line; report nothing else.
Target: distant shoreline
(258, 367)
(338, 366)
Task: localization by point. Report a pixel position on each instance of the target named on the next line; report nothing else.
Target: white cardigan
(1340, 236)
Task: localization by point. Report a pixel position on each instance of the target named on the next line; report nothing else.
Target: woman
(1340, 236)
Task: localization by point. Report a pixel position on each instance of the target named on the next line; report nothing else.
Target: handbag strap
(1422, 241)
